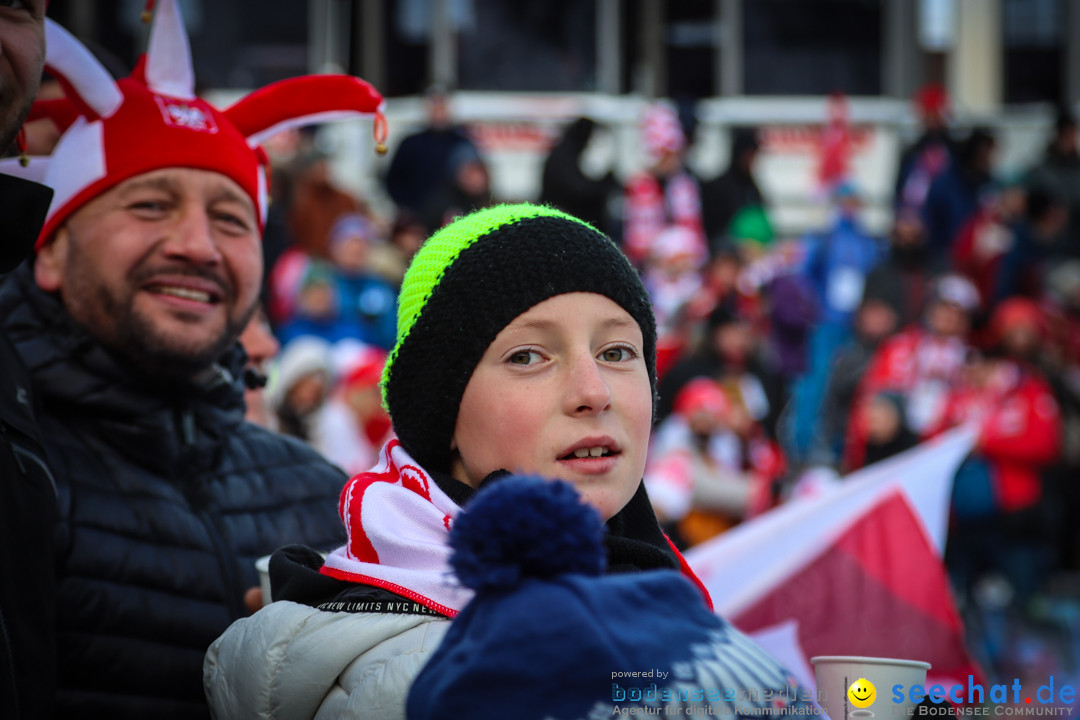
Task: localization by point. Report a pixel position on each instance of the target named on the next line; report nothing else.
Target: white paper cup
(263, 566)
(835, 675)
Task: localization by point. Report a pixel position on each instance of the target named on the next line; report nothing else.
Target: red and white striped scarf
(398, 524)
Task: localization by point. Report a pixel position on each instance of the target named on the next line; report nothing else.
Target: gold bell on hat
(380, 130)
(21, 143)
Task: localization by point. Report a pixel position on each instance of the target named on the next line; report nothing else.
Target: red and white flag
(853, 569)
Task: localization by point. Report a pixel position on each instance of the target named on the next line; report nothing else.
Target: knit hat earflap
(468, 282)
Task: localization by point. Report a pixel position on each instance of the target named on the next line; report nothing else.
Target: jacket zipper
(233, 591)
(9, 437)
(21, 453)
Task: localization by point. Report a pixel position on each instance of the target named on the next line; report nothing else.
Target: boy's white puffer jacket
(294, 662)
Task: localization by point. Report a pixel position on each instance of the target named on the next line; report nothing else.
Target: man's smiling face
(163, 269)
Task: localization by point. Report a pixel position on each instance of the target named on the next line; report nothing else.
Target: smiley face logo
(862, 693)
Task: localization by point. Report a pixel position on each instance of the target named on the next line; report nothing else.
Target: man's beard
(10, 124)
(119, 326)
(136, 338)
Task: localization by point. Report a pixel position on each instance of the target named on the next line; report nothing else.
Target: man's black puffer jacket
(166, 498)
(27, 500)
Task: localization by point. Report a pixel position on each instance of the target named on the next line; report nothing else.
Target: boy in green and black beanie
(526, 343)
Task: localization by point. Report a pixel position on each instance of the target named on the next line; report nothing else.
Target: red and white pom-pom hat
(115, 130)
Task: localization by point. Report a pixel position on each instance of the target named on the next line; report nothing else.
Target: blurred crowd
(781, 359)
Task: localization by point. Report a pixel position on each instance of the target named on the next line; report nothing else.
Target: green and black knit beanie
(468, 282)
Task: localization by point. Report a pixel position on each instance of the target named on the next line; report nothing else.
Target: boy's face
(565, 378)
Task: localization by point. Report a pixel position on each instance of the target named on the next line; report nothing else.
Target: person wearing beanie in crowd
(1057, 174)
(922, 363)
(146, 271)
(994, 232)
(1000, 511)
(421, 164)
(695, 474)
(1040, 243)
(564, 185)
(317, 307)
(836, 265)
(929, 155)
(353, 424)
(955, 194)
(526, 343)
(27, 496)
(665, 193)
(887, 431)
(366, 300)
(672, 277)
(467, 188)
(906, 274)
(549, 636)
(734, 189)
(732, 352)
(299, 386)
(877, 319)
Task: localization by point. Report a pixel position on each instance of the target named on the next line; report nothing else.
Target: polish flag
(854, 568)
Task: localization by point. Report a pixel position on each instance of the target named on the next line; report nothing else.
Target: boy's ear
(51, 261)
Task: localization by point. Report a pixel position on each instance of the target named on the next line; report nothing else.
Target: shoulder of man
(273, 449)
(288, 472)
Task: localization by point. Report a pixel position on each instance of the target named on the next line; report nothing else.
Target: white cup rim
(863, 660)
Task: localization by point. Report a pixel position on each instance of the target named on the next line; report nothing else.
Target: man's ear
(51, 261)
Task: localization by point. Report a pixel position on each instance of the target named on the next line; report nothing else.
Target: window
(528, 46)
(242, 46)
(234, 45)
(1033, 37)
(796, 47)
(691, 45)
(408, 38)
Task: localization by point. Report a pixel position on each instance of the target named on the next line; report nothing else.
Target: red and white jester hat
(115, 130)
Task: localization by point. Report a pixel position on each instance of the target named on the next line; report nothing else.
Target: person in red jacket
(998, 494)
(922, 364)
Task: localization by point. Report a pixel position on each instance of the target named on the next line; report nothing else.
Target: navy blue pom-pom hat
(547, 635)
